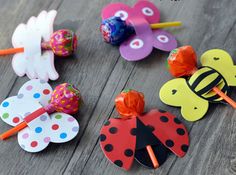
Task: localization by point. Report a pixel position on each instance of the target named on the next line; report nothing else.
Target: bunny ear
(163, 40)
(148, 10)
(116, 9)
(139, 46)
(37, 90)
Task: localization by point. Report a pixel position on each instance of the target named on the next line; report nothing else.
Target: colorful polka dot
(29, 88)
(38, 130)
(58, 116)
(5, 115)
(19, 96)
(75, 129)
(63, 135)
(43, 118)
(36, 95)
(46, 91)
(47, 139)
(71, 119)
(34, 144)
(16, 119)
(22, 146)
(55, 127)
(25, 135)
(5, 104)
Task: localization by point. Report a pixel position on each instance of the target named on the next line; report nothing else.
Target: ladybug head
(130, 103)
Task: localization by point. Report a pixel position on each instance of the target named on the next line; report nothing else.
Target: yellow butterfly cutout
(194, 94)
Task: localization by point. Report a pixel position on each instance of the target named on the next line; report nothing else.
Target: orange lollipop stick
(152, 156)
(11, 51)
(225, 97)
(13, 131)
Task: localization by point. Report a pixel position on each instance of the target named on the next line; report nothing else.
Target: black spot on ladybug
(118, 163)
(162, 111)
(133, 131)
(107, 123)
(169, 143)
(108, 147)
(180, 131)
(184, 148)
(164, 119)
(195, 107)
(216, 58)
(113, 130)
(177, 121)
(129, 152)
(102, 137)
(150, 127)
(174, 91)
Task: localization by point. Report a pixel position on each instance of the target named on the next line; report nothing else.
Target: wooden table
(101, 73)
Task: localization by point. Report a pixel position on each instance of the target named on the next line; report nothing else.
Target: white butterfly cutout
(57, 127)
(33, 62)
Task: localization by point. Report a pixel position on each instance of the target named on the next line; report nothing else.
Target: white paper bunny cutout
(33, 62)
(57, 127)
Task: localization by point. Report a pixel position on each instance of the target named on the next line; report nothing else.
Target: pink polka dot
(29, 87)
(47, 139)
(34, 144)
(25, 135)
(70, 119)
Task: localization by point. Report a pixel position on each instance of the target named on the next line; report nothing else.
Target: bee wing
(221, 61)
(177, 93)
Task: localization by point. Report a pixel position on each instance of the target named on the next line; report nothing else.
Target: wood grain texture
(100, 73)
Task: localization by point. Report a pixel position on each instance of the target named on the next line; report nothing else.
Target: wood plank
(101, 74)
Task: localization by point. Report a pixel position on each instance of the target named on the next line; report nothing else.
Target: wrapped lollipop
(131, 28)
(35, 45)
(42, 114)
(209, 83)
(147, 137)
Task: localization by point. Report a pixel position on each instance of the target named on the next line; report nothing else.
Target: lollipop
(62, 43)
(65, 98)
(147, 137)
(183, 62)
(115, 30)
(201, 86)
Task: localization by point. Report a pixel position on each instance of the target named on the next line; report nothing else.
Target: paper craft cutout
(35, 45)
(57, 127)
(194, 94)
(141, 44)
(135, 133)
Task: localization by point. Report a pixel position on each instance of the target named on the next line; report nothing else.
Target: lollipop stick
(166, 24)
(23, 124)
(152, 156)
(11, 51)
(225, 97)
(13, 131)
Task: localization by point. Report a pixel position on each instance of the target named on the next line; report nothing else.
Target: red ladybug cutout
(123, 139)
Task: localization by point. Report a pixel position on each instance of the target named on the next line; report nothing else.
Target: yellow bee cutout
(193, 95)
